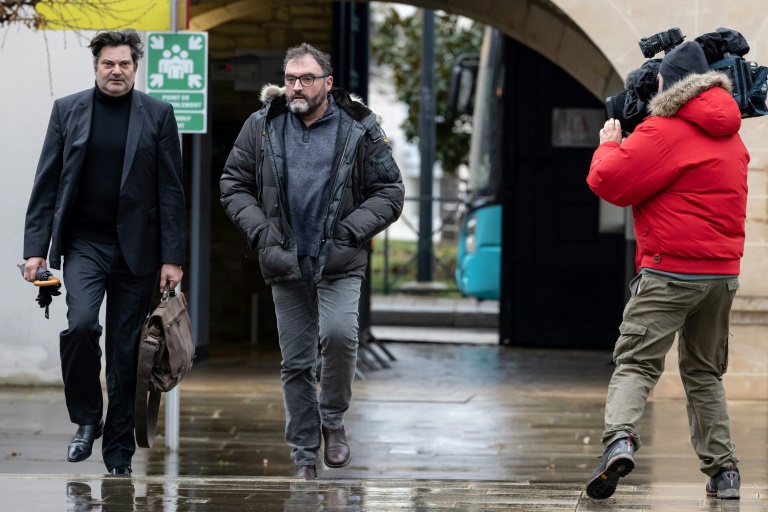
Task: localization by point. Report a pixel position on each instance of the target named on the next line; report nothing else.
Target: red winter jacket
(684, 172)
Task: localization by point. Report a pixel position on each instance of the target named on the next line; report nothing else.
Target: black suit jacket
(151, 216)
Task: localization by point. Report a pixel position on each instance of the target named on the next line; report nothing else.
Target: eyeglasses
(306, 80)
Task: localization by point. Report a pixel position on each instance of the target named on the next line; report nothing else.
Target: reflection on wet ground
(182, 494)
(449, 427)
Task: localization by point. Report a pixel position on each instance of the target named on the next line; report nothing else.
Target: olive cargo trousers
(699, 311)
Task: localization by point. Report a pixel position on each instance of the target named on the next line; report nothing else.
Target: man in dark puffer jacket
(310, 181)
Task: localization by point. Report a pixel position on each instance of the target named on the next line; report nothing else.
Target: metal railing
(449, 218)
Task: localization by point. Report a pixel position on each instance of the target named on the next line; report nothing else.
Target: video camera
(724, 50)
(663, 41)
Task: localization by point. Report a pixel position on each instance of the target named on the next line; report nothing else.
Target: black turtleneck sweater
(94, 213)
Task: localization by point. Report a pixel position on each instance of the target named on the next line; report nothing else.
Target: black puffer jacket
(366, 189)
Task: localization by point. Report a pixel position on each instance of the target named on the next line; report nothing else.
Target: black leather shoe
(81, 445)
(336, 451)
(121, 471)
(305, 472)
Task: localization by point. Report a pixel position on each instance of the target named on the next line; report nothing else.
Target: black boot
(618, 461)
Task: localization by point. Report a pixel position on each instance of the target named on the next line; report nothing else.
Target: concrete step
(421, 311)
(462, 335)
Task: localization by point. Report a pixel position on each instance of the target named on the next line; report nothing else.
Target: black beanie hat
(686, 59)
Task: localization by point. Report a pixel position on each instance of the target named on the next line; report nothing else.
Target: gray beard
(307, 107)
(300, 109)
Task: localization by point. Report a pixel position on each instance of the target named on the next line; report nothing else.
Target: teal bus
(533, 235)
(478, 267)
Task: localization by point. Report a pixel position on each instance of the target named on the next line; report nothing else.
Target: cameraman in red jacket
(684, 172)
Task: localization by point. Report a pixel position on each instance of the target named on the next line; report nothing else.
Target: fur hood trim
(667, 103)
(270, 92)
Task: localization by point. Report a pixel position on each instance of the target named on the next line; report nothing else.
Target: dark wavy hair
(127, 36)
(323, 59)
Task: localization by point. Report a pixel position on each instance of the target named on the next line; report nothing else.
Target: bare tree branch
(70, 14)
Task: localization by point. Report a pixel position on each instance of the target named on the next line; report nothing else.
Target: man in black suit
(108, 198)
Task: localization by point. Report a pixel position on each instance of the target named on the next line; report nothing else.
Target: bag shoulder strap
(147, 408)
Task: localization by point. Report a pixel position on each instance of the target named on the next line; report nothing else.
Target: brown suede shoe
(305, 472)
(336, 452)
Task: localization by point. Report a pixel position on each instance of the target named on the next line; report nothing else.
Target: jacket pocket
(277, 262)
(343, 258)
(271, 235)
(687, 286)
(343, 237)
(632, 338)
(385, 168)
(724, 357)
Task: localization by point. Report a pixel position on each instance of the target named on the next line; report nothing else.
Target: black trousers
(92, 270)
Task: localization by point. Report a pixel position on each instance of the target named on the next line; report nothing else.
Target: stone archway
(538, 24)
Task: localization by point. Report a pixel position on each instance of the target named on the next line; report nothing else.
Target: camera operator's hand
(611, 132)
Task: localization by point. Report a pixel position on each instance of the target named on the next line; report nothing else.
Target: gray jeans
(699, 311)
(314, 313)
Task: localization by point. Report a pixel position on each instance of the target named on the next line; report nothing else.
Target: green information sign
(177, 72)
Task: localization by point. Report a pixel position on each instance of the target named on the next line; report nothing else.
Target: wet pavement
(448, 427)
(221, 494)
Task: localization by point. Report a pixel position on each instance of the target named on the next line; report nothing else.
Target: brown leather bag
(166, 351)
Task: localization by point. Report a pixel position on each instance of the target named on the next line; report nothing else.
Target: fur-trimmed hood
(702, 99)
(352, 104)
(270, 91)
